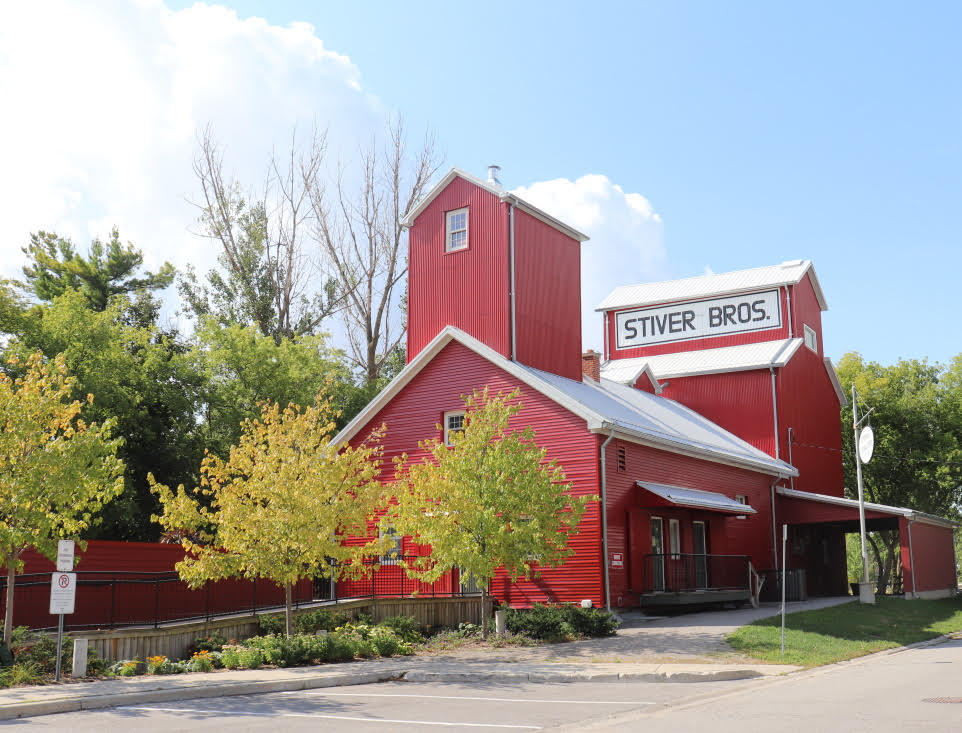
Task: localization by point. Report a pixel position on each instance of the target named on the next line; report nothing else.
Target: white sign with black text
(65, 550)
(63, 592)
(698, 319)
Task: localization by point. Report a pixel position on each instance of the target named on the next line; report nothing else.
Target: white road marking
(463, 697)
(326, 717)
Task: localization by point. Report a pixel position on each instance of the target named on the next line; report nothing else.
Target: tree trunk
(11, 579)
(484, 613)
(288, 609)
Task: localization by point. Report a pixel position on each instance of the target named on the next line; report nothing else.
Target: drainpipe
(788, 304)
(775, 414)
(912, 556)
(791, 436)
(514, 340)
(774, 525)
(604, 518)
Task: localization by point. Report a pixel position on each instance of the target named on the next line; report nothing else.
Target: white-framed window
(811, 338)
(741, 499)
(456, 230)
(391, 554)
(453, 426)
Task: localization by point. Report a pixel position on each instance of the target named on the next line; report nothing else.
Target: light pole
(864, 443)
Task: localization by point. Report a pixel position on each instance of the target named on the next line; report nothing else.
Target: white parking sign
(63, 591)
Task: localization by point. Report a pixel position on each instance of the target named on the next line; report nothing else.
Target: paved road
(398, 706)
(883, 693)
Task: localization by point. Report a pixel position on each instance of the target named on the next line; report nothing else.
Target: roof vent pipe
(494, 171)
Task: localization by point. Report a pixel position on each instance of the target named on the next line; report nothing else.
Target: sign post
(784, 580)
(63, 592)
(864, 445)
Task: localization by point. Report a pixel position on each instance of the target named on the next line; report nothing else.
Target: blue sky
(713, 135)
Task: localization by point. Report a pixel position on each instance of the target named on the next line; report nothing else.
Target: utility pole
(862, 443)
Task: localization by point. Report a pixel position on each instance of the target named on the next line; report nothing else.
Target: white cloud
(626, 244)
(103, 102)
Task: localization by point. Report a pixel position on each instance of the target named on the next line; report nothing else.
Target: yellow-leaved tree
(282, 505)
(491, 500)
(56, 471)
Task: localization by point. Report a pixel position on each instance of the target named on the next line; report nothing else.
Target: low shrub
(323, 619)
(126, 668)
(21, 674)
(201, 661)
(271, 624)
(212, 643)
(406, 627)
(557, 623)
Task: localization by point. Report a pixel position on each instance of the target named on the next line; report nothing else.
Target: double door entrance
(674, 570)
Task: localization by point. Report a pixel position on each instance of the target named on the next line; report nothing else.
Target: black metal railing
(685, 573)
(109, 600)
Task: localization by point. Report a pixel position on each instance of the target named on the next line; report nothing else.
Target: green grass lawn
(850, 630)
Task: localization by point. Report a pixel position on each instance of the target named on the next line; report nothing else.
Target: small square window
(741, 498)
(811, 338)
(453, 426)
(392, 547)
(456, 230)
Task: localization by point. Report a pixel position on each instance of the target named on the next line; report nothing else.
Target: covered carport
(927, 541)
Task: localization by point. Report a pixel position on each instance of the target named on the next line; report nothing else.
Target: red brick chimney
(591, 364)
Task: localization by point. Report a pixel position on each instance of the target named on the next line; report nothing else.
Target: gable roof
(694, 288)
(500, 193)
(740, 358)
(606, 407)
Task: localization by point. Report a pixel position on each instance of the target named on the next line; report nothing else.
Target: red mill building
(713, 419)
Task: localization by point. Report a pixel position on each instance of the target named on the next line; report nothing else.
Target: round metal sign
(866, 444)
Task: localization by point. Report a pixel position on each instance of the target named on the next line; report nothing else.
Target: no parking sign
(63, 592)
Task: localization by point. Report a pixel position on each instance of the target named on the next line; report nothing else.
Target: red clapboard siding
(741, 402)
(548, 308)
(933, 550)
(467, 288)
(629, 511)
(809, 405)
(414, 415)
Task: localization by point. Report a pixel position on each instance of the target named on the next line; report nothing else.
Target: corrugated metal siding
(467, 288)
(414, 414)
(933, 550)
(629, 513)
(808, 404)
(741, 402)
(713, 342)
(143, 557)
(548, 297)
(806, 310)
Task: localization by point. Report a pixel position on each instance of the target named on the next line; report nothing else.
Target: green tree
(491, 500)
(282, 506)
(242, 368)
(109, 269)
(56, 470)
(917, 420)
(141, 379)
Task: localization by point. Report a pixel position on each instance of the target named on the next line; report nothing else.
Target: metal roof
(911, 514)
(507, 196)
(704, 286)
(606, 406)
(740, 358)
(696, 498)
(657, 421)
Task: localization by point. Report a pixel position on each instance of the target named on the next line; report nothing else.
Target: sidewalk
(688, 648)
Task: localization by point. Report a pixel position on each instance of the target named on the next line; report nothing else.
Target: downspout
(788, 310)
(774, 525)
(514, 340)
(604, 518)
(775, 414)
(912, 556)
(791, 462)
(605, 323)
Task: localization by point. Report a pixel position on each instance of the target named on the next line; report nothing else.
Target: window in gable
(456, 230)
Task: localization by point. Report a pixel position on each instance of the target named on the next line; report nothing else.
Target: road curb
(75, 703)
(72, 704)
